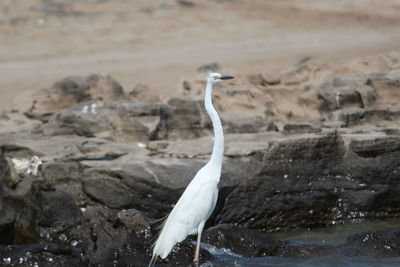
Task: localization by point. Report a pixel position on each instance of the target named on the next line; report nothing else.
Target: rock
(186, 119)
(18, 122)
(305, 126)
(271, 78)
(248, 98)
(382, 243)
(58, 210)
(72, 90)
(108, 192)
(357, 116)
(243, 155)
(374, 90)
(63, 94)
(339, 93)
(248, 125)
(133, 220)
(242, 241)
(347, 179)
(126, 122)
(386, 85)
(142, 93)
(102, 87)
(250, 243)
(54, 220)
(107, 167)
(41, 254)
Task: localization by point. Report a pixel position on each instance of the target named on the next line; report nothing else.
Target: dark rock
(109, 192)
(242, 241)
(374, 145)
(117, 189)
(301, 250)
(251, 243)
(41, 254)
(286, 187)
(133, 220)
(58, 210)
(382, 243)
(54, 223)
(350, 177)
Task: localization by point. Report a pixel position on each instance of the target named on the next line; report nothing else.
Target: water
(334, 235)
(337, 234)
(334, 260)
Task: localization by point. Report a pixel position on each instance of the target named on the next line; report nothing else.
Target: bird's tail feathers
(153, 260)
(158, 227)
(157, 220)
(155, 252)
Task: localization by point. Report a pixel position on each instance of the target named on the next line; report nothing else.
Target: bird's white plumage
(199, 198)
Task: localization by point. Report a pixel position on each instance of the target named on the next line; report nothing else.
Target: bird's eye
(216, 77)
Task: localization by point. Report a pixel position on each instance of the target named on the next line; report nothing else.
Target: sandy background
(160, 43)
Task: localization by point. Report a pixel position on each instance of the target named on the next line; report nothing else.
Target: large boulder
(187, 119)
(345, 92)
(124, 122)
(72, 90)
(376, 90)
(70, 214)
(318, 179)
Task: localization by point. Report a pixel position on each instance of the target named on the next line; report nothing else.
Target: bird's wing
(194, 206)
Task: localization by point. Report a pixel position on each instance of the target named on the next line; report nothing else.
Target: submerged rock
(250, 243)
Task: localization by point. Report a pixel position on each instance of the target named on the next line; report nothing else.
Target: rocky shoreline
(112, 163)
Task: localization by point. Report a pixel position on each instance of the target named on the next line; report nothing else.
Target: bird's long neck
(218, 149)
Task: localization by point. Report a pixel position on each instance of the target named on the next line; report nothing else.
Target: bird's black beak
(226, 77)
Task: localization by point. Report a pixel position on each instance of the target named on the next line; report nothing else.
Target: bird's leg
(197, 251)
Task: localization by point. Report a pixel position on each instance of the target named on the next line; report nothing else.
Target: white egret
(199, 198)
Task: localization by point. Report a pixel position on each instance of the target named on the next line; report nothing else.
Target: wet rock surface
(250, 243)
(111, 166)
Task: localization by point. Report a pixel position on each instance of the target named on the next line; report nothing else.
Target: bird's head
(217, 78)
